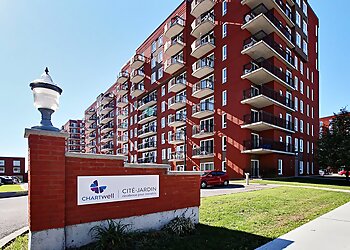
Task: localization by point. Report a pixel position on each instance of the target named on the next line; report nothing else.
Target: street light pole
(185, 147)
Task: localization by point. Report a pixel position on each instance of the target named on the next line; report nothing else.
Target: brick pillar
(46, 189)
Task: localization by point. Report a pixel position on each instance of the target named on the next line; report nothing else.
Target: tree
(334, 143)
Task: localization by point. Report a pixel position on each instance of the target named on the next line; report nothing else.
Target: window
(169, 153)
(224, 52)
(296, 82)
(296, 144)
(224, 98)
(16, 170)
(163, 106)
(296, 103)
(305, 8)
(207, 166)
(163, 90)
(307, 110)
(301, 126)
(296, 62)
(224, 75)
(224, 120)
(224, 7)
(2, 170)
(160, 72)
(223, 166)
(301, 145)
(308, 128)
(305, 47)
(307, 91)
(154, 46)
(160, 41)
(298, 40)
(312, 168)
(298, 19)
(301, 106)
(135, 118)
(160, 57)
(301, 167)
(131, 134)
(280, 167)
(296, 122)
(298, 2)
(163, 138)
(224, 30)
(312, 112)
(304, 27)
(308, 147)
(224, 143)
(163, 154)
(16, 163)
(301, 67)
(163, 122)
(153, 77)
(301, 87)
(2, 162)
(153, 62)
(312, 94)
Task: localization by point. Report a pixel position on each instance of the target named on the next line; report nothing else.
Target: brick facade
(13, 166)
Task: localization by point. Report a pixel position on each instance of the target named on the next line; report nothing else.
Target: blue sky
(85, 42)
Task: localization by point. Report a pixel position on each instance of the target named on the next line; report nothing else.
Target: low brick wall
(55, 219)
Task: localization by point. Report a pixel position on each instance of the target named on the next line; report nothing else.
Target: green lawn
(10, 188)
(248, 220)
(336, 183)
(21, 243)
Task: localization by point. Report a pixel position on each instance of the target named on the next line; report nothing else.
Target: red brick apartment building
(76, 139)
(325, 122)
(239, 77)
(12, 166)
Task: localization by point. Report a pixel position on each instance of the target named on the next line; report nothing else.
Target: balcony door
(207, 125)
(289, 146)
(255, 141)
(255, 116)
(255, 172)
(254, 91)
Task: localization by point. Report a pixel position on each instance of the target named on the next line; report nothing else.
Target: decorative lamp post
(46, 99)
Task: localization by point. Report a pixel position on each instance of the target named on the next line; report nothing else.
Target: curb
(13, 194)
(7, 239)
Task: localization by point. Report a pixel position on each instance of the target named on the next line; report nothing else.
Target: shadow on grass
(337, 181)
(205, 237)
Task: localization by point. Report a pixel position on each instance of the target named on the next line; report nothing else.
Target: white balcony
(147, 146)
(122, 89)
(198, 7)
(106, 99)
(122, 127)
(201, 46)
(177, 157)
(122, 77)
(106, 128)
(147, 132)
(177, 138)
(137, 76)
(122, 102)
(176, 85)
(122, 139)
(106, 109)
(177, 102)
(137, 89)
(203, 67)
(203, 25)
(147, 103)
(173, 65)
(137, 61)
(202, 110)
(107, 118)
(177, 120)
(122, 151)
(174, 27)
(147, 117)
(199, 153)
(203, 88)
(201, 132)
(174, 47)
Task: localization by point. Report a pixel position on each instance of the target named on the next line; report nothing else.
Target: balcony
(263, 146)
(147, 146)
(92, 127)
(137, 76)
(122, 89)
(122, 151)
(147, 132)
(106, 148)
(177, 138)
(203, 25)
(137, 61)
(107, 138)
(262, 96)
(262, 45)
(262, 71)
(147, 101)
(202, 131)
(260, 18)
(174, 27)
(177, 157)
(107, 98)
(203, 153)
(202, 110)
(174, 64)
(177, 120)
(173, 47)
(177, 102)
(137, 89)
(122, 114)
(122, 77)
(150, 159)
(122, 127)
(273, 4)
(203, 88)
(91, 120)
(107, 118)
(122, 102)
(198, 7)
(203, 67)
(91, 137)
(106, 128)
(148, 115)
(106, 109)
(203, 46)
(261, 121)
(122, 139)
(177, 84)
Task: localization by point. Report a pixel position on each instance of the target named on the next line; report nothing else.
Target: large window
(2, 162)
(224, 7)
(16, 163)
(280, 167)
(207, 166)
(224, 52)
(224, 120)
(224, 30)
(16, 170)
(2, 170)
(224, 98)
(224, 75)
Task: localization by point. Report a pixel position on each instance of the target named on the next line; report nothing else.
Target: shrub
(112, 236)
(180, 226)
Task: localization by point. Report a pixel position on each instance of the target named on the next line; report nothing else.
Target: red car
(343, 172)
(212, 178)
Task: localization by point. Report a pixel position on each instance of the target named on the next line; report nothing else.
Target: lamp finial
(46, 70)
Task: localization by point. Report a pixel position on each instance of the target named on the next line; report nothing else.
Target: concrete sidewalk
(329, 231)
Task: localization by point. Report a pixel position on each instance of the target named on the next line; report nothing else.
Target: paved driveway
(13, 214)
(231, 189)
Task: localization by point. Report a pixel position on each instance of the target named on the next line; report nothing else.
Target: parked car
(342, 172)
(212, 178)
(15, 180)
(6, 180)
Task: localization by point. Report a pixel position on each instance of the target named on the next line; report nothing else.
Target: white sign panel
(103, 189)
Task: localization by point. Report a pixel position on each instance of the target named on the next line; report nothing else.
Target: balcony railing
(147, 101)
(262, 63)
(199, 131)
(123, 77)
(177, 84)
(122, 88)
(122, 151)
(203, 107)
(198, 7)
(203, 45)
(122, 126)
(107, 147)
(205, 151)
(177, 102)
(149, 129)
(261, 9)
(177, 156)
(177, 137)
(268, 144)
(173, 64)
(268, 39)
(174, 46)
(203, 24)
(274, 95)
(268, 118)
(150, 159)
(137, 75)
(137, 61)
(203, 88)
(203, 67)
(122, 113)
(137, 89)
(148, 115)
(174, 27)
(176, 120)
(147, 145)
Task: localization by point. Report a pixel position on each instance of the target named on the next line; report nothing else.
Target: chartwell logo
(96, 188)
